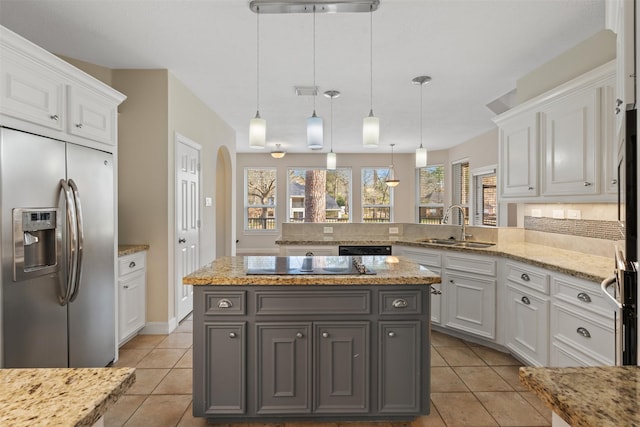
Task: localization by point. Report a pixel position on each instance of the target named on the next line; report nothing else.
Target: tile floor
(471, 385)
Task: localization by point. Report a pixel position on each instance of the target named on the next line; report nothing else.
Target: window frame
(475, 197)
(456, 195)
(273, 206)
(418, 196)
(364, 205)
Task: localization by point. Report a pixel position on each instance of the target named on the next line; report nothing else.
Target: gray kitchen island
(311, 338)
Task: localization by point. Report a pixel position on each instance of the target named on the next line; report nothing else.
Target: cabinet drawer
(582, 294)
(397, 302)
(220, 303)
(130, 263)
(423, 257)
(590, 336)
(313, 302)
(527, 277)
(471, 264)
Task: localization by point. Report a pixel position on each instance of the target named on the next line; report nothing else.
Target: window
(376, 195)
(260, 198)
(319, 195)
(460, 191)
(485, 204)
(430, 194)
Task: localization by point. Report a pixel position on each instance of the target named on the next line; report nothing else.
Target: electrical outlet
(208, 201)
(328, 230)
(558, 213)
(536, 213)
(573, 214)
(393, 230)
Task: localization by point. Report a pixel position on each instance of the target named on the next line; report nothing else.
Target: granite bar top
(131, 249)
(589, 267)
(604, 396)
(389, 271)
(60, 396)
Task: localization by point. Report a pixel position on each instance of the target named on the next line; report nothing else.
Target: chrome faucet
(445, 218)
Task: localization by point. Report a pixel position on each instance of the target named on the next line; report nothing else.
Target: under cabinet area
(132, 288)
(311, 352)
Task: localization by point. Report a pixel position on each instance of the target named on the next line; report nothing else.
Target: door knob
(182, 240)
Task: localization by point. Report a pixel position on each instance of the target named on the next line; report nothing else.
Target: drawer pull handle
(299, 335)
(583, 331)
(225, 303)
(584, 297)
(400, 303)
(530, 188)
(435, 291)
(391, 334)
(132, 264)
(126, 286)
(232, 335)
(525, 277)
(525, 300)
(54, 117)
(325, 335)
(587, 183)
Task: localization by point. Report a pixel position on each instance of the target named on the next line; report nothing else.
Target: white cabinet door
(518, 156)
(527, 328)
(91, 117)
(569, 145)
(131, 303)
(471, 303)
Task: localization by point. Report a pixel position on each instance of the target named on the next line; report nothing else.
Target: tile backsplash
(607, 230)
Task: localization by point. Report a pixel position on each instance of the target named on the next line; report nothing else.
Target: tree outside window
(319, 195)
(430, 195)
(260, 199)
(376, 195)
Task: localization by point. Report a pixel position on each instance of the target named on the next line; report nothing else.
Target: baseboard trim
(159, 328)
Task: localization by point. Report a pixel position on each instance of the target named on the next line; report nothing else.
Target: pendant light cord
(331, 124)
(315, 90)
(371, 55)
(258, 59)
(421, 85)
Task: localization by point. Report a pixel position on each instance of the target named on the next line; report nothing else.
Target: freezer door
(92, 309)
(34, 324)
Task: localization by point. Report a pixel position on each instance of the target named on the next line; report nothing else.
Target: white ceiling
(475, 50)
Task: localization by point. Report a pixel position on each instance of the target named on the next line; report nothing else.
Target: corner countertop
(389, 271)
(588, 397)
(60, 396)
(131, 249)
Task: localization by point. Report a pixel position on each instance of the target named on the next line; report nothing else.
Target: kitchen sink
(447, 242)
(458, 243)
(477, 245)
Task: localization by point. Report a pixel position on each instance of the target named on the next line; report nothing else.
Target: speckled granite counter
(232, 271)
(589, 397)
(58, 396)
(131, 249)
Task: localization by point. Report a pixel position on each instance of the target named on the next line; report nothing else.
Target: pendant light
(421, 152)
(331, 156)
(371, 124)
(314, 123)
(391, 180)
(257, 125)
(278, 153)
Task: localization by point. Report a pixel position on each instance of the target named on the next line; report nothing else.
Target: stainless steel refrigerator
(57, 270)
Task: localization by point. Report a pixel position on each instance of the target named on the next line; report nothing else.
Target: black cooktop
(303, 265)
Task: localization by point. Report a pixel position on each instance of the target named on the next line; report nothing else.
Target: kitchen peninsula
(311, 338)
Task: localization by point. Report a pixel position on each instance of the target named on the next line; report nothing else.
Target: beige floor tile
(431, 420)
(162, 358)
(538, 404)
(177, 340)
(495, 357)
(147, 380)
(445, 380)
(460, 356)
(122, 410)
(510, 375)
(439, 339)
(130, 357)
(511, 409)
(436, 359)
(462, 410)
(177, 381)
(144, 341)
(185, 361)
(188, 420)
(160, 411)
(185, 326)
(482, 378)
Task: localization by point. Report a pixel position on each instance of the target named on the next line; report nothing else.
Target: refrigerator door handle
(605, 284)
(72, 243)
(80, 241)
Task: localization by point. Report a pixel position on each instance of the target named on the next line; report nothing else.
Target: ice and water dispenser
(37, 239)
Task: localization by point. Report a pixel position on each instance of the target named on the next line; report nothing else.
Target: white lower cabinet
(297, 250)
(132, 284)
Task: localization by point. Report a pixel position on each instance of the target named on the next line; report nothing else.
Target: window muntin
(326, 199)
(430, 194)
(260, 199)
(377, 196)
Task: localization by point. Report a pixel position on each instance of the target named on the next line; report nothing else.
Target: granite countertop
(389, 271)
(588, 397)
(131, 249)
(585, 266)
(60, 396)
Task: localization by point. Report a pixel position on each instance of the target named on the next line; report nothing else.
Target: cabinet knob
(584, 332)
(299, 335)
(530, 188)
(79, 125)
(618, 110)
(225, 303)
(54, 117)
(587, 183)
(232, 335)
(584, 297)
(614, 181)
(435, 291)
(391, 334)
(618, 102)
(325, 335)
(451, 281)
(400, 303)
(525, 300)
(182, 240)
(525, 277)
(132, 264)
(126, 286)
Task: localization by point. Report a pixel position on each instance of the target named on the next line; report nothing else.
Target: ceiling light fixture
(331, 156)
(314, 123)
(257, 125)
(323, 6)
(421, 152)
(278, 153)
(391, 180)
(371, 124)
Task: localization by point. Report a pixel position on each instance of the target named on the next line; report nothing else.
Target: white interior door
(187, 221)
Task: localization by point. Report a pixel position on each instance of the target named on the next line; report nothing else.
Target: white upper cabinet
(518, 156)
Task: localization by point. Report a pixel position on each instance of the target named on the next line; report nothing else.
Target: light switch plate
(208, 201)
(393, 230)
(328, 229)
(558, 213)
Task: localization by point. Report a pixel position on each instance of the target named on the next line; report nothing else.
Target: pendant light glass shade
(314, 132)
(331, 156)
(370, 131)
(391, 180)
(421, 152)
(421, 157)
(257, 132)
(331, 161)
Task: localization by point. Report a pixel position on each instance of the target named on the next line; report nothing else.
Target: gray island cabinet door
(225, 368)
(341, 367)
(283, 377)
(399, 370)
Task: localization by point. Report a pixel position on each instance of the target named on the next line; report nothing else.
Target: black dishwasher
(364, 250)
